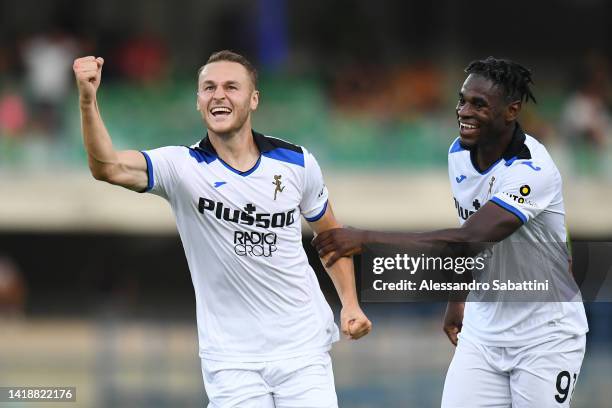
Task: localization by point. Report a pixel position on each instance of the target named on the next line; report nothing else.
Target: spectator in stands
(143, 58)
(48, 61)
(12, 288)
(586, 119)
(13, 113)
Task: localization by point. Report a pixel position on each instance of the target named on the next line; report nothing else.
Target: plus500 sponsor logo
(254, 243)
(246, 216)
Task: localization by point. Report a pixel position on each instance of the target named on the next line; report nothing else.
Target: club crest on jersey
(277, 183)
(491, 186)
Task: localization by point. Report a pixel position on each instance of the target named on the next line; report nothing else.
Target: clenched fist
(354, 323)
(453, 320)
(88, 74)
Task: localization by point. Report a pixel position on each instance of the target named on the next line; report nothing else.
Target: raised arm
(354, 323)
(126, 168)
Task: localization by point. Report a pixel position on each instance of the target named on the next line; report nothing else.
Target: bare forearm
(343, 276)
(416, 238)
(354, 323)
(451, 242)
(97, 141)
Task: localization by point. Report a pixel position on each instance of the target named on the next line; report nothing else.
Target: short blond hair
(231, 56)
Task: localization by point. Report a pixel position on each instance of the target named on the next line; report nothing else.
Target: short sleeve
(163, 169)
(527, 189)
(314, 196)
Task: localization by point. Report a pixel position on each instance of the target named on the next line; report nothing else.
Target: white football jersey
(525, 182)
(257, 297)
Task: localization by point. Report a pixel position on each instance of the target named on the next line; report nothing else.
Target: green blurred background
(94, 288)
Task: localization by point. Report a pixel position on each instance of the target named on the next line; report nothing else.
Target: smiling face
(226, 97)
(483, 113)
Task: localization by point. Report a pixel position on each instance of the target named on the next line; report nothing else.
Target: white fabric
(531, 190)
(541, 375)
(257, 298)
(301, 382)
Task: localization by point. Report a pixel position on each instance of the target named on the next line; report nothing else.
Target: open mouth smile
(467, 126)
(220, 111)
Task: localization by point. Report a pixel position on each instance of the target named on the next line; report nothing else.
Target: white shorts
(304, 382)
(542, 375)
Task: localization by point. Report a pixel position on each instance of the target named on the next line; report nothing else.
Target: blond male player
(264, 327)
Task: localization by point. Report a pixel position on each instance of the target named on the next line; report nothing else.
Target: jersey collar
(517, 149)
(262, 143)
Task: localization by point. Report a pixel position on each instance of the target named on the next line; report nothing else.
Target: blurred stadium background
(94, 289)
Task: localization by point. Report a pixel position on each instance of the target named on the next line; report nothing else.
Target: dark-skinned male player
(507, 191)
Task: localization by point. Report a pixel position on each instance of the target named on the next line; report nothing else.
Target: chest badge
(277, 183)
(490, 186)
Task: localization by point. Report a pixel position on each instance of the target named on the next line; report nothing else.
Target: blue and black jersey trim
(242, 173)
(269, 147)
(267, 143)
(150, 177)
(319, 215)
(456, 147)
(517, 149)
(285, 155)
(278, 149)
(510, 208)
(202, 156)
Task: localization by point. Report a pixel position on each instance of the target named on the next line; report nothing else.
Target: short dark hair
(513, 78)
(231, 56)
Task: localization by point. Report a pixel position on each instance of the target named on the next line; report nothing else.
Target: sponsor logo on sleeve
(321, 192)
(525, 190)
(519, 199)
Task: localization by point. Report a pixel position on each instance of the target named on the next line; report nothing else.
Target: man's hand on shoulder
(88, 74)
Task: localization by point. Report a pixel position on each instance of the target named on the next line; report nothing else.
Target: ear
(254, 100)
(512, 110)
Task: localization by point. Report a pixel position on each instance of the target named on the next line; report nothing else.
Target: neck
(493, 149)
(238, 149)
